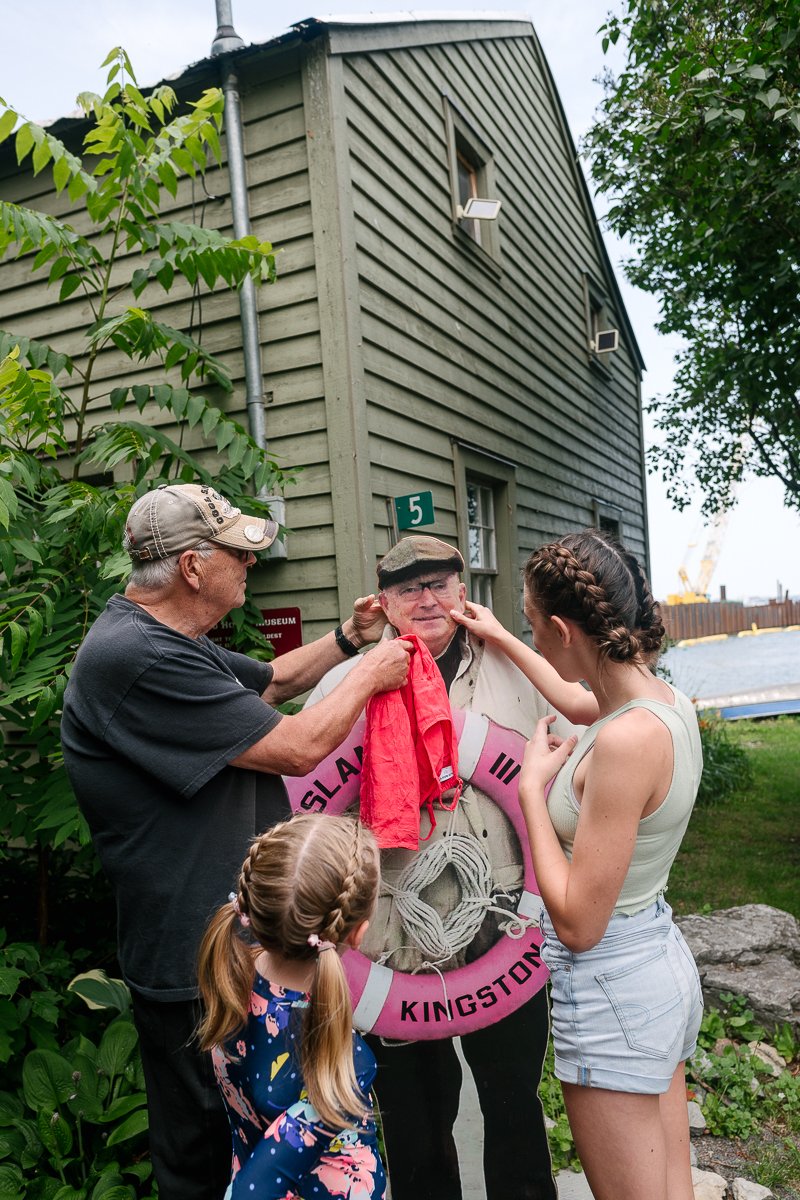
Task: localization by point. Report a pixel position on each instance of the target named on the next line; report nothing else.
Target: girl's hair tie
(316, 941)
(237, 908)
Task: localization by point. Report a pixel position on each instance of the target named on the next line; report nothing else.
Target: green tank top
(660, 833)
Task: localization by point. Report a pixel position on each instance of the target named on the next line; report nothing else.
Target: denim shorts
(626, 1012)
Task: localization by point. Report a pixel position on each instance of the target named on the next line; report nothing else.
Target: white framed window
(482, 541)
(487, 530)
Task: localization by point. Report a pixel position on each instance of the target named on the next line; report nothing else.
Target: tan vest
(488, 683)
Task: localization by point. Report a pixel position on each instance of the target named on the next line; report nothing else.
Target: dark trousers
(417, 1089)
(190, 1138)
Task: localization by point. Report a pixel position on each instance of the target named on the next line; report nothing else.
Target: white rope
(439, 939)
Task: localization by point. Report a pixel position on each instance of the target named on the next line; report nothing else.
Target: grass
(746, 850)
(779, 1165)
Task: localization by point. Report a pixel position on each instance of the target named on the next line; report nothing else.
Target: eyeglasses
(242, 555)
(436, 587)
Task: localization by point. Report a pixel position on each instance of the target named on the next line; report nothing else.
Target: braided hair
(311, 877)
(590, 578)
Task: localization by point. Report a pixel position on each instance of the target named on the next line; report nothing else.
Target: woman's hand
(545, 755)
(481, 621)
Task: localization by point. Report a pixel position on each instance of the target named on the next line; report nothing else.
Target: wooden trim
(602, 508)
(594, 298)
(643, 465)
(333, 223)
(364, 39)
(502, 478)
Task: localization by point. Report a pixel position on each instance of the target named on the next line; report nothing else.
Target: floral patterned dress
(281, 1150)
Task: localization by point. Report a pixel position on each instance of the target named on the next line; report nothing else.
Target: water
(739, 664)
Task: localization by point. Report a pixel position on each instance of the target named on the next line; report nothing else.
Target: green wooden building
(405, 347)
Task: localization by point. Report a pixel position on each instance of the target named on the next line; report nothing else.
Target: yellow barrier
(751, 632)
(711, 637)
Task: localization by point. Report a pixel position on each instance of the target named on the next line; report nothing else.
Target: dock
(759, 702)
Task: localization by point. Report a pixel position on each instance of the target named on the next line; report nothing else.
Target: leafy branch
(697, 147)
(80, 439)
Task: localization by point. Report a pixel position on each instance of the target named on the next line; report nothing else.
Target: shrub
(726, 766)
(73, 1117)
(737, 1090)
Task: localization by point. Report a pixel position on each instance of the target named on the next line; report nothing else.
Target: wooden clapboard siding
(280, 212)
(296, 422)
(436, 348)
(502, 363)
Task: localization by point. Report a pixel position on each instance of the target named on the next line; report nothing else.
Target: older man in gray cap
(176, 753)
(418, 1083)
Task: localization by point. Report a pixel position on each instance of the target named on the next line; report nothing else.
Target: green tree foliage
(73, 454)
(696, 145)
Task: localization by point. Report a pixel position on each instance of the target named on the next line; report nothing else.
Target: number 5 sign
(413, 511)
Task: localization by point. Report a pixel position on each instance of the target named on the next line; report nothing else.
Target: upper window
(602, 337)
(471, 176)
(607, 517)
(468, 173)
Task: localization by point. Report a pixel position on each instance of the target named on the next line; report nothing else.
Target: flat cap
(414, 556)
(177, 517)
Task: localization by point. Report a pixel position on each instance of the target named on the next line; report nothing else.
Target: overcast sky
(56, 53)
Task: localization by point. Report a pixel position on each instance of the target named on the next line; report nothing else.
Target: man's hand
(367, 622)
(388, 663)
(298, 743)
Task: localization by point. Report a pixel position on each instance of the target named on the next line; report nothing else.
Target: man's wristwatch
(344, 643)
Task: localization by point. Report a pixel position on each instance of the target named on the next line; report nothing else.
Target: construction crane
(697, 593)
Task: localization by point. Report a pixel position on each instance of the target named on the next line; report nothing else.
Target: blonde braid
(339, 917)
(250, 866)
(243, 883)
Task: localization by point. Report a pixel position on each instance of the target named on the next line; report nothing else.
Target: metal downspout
(226, 41)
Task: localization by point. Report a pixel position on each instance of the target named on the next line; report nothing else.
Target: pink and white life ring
(412, 1007)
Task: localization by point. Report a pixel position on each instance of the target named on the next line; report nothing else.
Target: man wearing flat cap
(419, 581)
(175, 751)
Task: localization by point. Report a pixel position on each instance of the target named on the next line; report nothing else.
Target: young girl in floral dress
(294, 1075)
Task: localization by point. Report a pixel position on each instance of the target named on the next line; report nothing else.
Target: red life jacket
(410, 753)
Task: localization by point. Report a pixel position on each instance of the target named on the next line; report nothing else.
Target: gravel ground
(731, 1157)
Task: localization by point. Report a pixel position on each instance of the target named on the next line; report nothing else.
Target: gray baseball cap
(176, 517)
(414, 556)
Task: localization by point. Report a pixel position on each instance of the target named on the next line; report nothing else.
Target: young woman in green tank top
(605, 815)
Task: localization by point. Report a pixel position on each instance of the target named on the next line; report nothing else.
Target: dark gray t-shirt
(151, 721)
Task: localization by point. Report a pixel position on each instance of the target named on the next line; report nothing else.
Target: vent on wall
(477, 209)
(604, 341)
